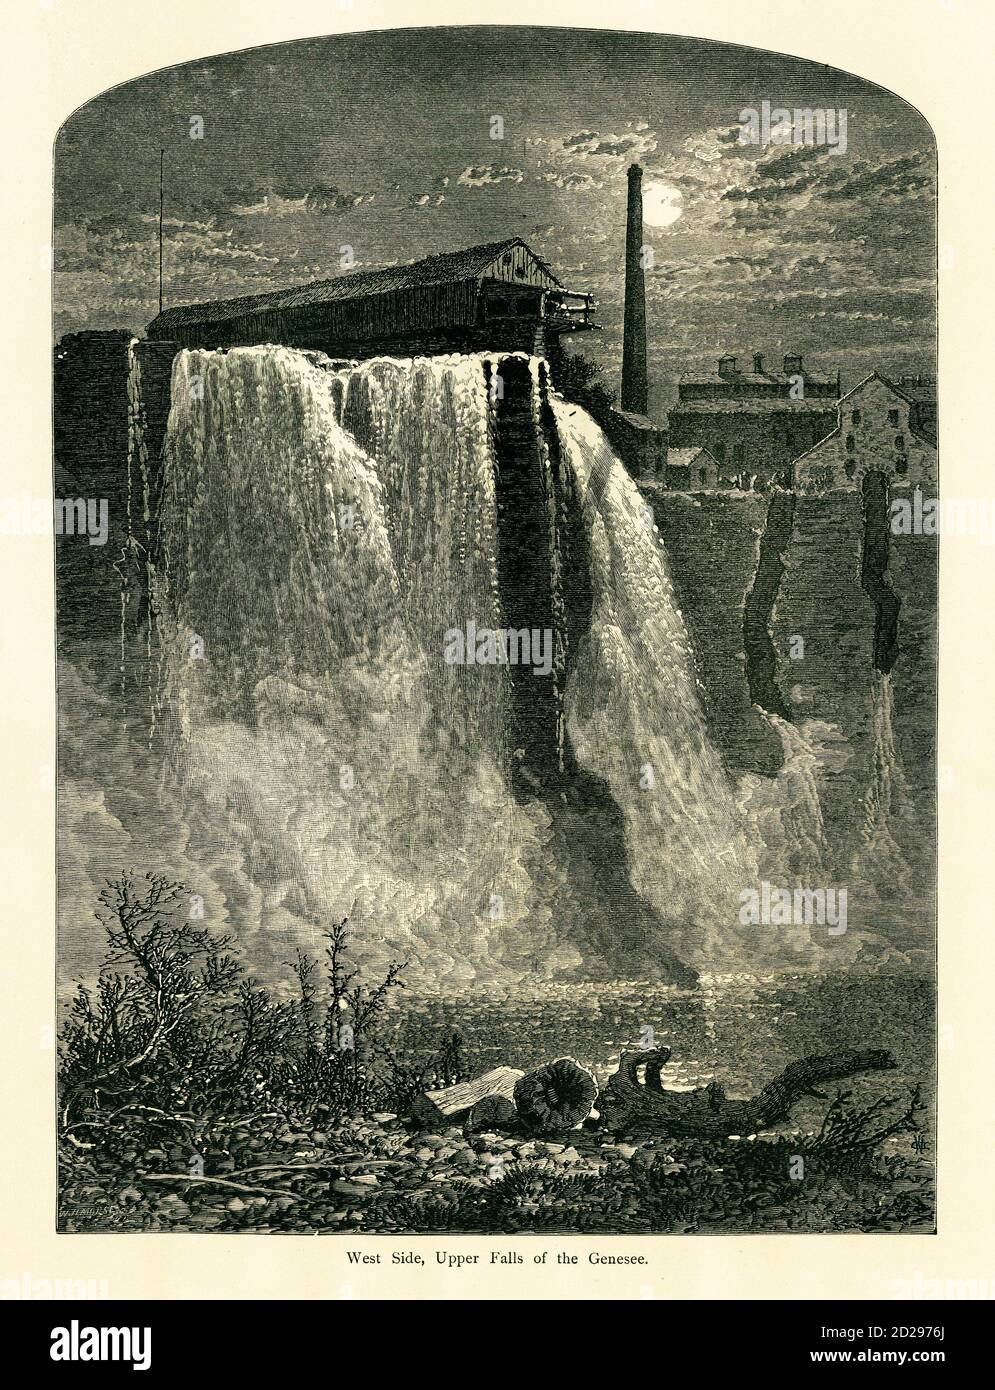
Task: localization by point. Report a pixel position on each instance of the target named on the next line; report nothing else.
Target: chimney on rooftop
(758, 364)
(792, 366)
(634, 390)
(727, 366)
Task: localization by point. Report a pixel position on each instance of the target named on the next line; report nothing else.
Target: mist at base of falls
(321, 532)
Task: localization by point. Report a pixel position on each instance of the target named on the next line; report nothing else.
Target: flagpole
(162, 154)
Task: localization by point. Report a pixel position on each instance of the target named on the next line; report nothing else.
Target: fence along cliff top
(497, 296)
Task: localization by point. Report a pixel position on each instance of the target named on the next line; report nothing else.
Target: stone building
(755, 422)
(921, 391)
(879, 428)
(638, 441)
(693, 470)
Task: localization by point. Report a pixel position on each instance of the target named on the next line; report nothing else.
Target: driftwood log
(552, 1098)
(627, 1106)
(452, 1104)
(555, 1097)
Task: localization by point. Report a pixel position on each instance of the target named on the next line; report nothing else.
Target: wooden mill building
(499, 296)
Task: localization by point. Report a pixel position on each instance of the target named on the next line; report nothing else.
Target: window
(899, 441)
(851, 444)
(703, 474)
(719, 450)
(739, 452)
(855, 417)
(901, 465)
(850, 467)
(893, 419)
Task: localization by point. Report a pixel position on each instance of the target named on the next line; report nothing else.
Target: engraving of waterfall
(306, 622)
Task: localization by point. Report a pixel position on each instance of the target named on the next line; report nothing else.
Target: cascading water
(321, 531)
(886, 863)
(633, 714)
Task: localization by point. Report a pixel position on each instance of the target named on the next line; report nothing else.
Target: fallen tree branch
(322, 1167)
(627, 1106)
(451, 1104)
(217, 1182)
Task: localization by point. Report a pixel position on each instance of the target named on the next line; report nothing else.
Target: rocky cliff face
(810, 609)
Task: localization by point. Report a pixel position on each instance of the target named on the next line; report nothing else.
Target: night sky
(382, 143)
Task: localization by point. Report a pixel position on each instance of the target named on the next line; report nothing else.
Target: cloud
(478, 176)
(569, 182)
(636, 142)
(327, 198)
(435, 196)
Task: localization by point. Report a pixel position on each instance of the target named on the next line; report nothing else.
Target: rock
(349, 1189)
(489, 1112)
(236, 1204)
(129, 1194)
(174, 1208)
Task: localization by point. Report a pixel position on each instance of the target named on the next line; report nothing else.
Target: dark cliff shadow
(539, 513)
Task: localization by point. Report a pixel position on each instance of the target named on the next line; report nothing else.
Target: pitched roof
(750, 378)
(764, 405)
(890, 385)
(683, 458)
(432, 270)
(919, 392)
(637, 421)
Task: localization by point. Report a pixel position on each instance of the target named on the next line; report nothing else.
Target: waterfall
(633, 712)
(885, 860)
(134, 564)
(322, 529)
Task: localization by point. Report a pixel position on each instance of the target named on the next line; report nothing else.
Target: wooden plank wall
(521, 269)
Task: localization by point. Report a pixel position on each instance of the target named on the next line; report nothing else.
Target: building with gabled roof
(878, 429)
(754, 421)
(496, 296)
(692, 470)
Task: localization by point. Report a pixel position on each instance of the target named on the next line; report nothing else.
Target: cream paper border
(934, 53)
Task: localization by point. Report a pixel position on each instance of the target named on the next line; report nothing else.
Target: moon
(662, 205)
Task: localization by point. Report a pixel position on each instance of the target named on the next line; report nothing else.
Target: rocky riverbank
(377, 1174)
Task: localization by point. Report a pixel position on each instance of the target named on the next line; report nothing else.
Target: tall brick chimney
(634, 396)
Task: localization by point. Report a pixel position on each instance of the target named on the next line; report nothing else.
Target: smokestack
(634, 331)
